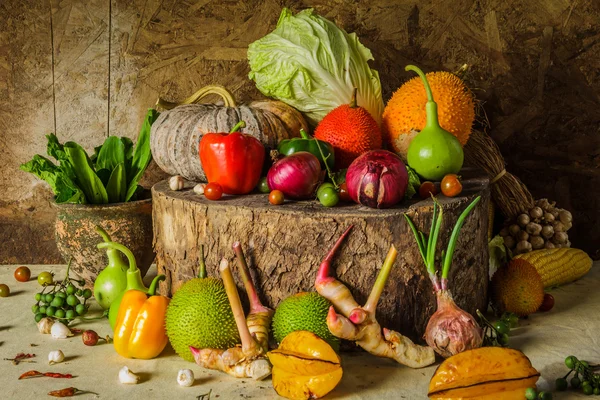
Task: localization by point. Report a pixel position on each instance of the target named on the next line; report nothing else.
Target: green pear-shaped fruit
(112, 281)
(434, 152)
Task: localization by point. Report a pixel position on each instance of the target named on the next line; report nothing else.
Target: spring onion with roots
(358, 323)
(450, 329)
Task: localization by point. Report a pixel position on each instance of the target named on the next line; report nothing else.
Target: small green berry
(571, 362)
(561, 384)
(530, 394)
(575, 382)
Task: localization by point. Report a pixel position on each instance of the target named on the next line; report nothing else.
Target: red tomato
(344, 195)
(548, 303)
(22, 274)
(427, 189)
(276, 197)
(451, 185)
(213, 191)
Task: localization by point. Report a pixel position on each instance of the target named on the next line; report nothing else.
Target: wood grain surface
(89, 69)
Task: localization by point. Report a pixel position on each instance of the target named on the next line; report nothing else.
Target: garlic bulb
(127, 377)
(55, 357)
(60, 331)
(185, 377)
(45, 325)
(199, 188)
(176, 182)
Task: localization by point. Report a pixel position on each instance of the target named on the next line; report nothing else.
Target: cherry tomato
(276, 197)
(263, 185)
(329, 197)
(344, 194)
(213, 191)
(4, 290)
(427, 189)
(548, 303)
(451, 185)
(45, 278)
(22, 274)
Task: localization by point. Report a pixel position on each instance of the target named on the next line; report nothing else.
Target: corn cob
(558, 266)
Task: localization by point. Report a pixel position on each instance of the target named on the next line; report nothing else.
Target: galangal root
(359, 324)
(249, 359)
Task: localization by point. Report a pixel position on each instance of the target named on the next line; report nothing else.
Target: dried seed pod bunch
(544, 226)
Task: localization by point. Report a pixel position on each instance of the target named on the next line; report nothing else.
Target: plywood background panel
(534, 66)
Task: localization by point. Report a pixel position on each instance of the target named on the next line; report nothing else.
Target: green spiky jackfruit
(303, 312)
(199, 315)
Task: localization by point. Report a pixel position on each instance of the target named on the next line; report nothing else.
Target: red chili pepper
(34, 374)
(233, 160)
(20, 357)
(66, 392)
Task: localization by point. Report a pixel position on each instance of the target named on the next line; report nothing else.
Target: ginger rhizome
(359, 324)
(247, 360)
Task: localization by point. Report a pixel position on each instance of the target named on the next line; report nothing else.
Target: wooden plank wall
(90, 69)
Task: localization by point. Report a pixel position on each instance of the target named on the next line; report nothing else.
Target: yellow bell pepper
(140, 327)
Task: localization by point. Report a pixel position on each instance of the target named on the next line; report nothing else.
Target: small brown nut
(523, 220)
(504, 232)
(510, 242)
(558, 226)
(547, 231)
(536, 212)
(565, 216)
(549, 245)
(522, 235)
(537, 242)
(523, 247)
(533, 229)
(548, 217)
(560, 238)
(514, 229)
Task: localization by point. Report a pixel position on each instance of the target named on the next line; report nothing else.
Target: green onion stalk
(450, 329)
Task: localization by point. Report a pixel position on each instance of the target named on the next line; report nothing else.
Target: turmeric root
(247, 360)
(359, 324)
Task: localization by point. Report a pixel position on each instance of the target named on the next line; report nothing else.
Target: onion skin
(450, 329)
(297, 175)
(377, 179)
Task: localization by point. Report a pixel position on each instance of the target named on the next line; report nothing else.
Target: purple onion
(297, 175)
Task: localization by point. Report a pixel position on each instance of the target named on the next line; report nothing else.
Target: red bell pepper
(234, 160)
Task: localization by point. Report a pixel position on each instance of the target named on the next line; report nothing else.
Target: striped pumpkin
(177, 132)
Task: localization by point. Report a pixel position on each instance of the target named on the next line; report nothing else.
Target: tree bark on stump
(284, 246)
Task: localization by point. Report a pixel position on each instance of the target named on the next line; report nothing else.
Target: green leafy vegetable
(110, 175)
(498, 254)
(413, 183)
(312, 65)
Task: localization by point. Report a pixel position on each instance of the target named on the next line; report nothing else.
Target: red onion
(377, 179)
(297, 175)
(451, 330)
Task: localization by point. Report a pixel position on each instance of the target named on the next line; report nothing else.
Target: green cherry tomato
(504, 339)
(323, 187)
(48, 298)
(62, 295)
(597, 391)
(50, 311)
(585, 363)
(80, 309)
(513, 320)
(329, 197)
(35, 309)
(87, 293)
(561, 384)
(588, 390)
(501, 327)
(71, 289)
(545, 396)
(38, 317)
(60, 313)
(72, 300)
(70, 314)
(42, 310)
(4, 290)
(575, 382)
(57, 302)
(38, 297)
(530, 394)
(263, 185)
(571, 361)
(45, 278)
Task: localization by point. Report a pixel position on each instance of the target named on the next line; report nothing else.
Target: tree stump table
(284, 246)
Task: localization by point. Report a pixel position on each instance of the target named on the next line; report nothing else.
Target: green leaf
(141, 154)
(117, 184)
(413, 183)
(111, 154)
(94, 156)
(314, 66)
(87, 179)
(65, 190)
(104, 175)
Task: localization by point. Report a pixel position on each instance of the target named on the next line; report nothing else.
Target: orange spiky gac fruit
(405, 116)
(517, 288)
(351, 130)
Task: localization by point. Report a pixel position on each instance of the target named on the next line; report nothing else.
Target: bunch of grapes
(584, 379)
(64, 300)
